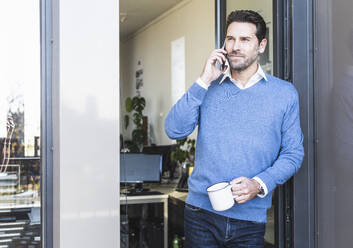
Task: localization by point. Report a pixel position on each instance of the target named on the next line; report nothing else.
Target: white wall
(193, 19)
(86, 129)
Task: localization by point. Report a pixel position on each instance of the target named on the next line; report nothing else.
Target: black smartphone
(222, 66)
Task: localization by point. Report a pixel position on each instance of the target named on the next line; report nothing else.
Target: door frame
(302, 74)
(46, 147)
(295, 200)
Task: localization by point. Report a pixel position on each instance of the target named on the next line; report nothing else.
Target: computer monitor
(140, 168)
(165, 150)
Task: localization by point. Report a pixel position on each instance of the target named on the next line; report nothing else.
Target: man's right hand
(210, 71)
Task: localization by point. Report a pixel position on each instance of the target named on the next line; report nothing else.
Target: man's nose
(236, 45)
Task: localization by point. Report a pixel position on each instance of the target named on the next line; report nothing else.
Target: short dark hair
(251, 17)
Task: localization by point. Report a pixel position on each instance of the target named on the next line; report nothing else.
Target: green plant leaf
(138, 104)
(138, 136)
(128, 104)
(135, 102)
(172, 157)
(138, 120)
(185, 151)
(137, 115)
(142, 104)
(181, 142)
(126, 121)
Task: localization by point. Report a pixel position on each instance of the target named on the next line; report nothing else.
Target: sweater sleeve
(184, 115)
(291, 152)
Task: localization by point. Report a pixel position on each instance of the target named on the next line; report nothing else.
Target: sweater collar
(255, 78)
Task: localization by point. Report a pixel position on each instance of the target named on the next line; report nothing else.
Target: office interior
(159, 61)
(64, 80)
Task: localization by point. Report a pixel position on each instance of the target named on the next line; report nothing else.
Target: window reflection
(20, 223)
(334, 117)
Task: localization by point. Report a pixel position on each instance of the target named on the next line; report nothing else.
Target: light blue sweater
(251, 132)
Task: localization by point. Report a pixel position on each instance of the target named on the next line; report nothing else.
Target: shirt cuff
(263, 185)
(201, 83)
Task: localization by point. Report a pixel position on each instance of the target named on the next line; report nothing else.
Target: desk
(151, 199)
(167, 190)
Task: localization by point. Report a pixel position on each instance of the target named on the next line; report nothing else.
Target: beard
(241, 66)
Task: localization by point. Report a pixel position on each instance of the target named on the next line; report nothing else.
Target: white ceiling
(138, 13)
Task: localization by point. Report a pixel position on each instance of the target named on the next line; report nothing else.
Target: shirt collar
(259, 73)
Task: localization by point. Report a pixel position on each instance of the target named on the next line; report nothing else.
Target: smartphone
(222, 66)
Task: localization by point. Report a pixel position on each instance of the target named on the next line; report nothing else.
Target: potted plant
(135, 106)
(185, 151)
(184, 155)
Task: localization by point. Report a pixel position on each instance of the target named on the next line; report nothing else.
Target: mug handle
(232, 191)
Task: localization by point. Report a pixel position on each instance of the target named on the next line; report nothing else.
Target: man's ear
(262, 45)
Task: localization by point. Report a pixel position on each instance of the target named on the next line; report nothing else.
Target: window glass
(20, 124)
(333, 82)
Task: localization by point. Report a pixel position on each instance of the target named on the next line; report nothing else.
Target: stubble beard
(238, 67)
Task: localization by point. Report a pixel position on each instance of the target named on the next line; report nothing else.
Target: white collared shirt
(253, 80)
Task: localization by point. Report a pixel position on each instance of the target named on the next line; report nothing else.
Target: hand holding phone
(215, 65)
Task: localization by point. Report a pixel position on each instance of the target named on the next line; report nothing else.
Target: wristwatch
(261, 190)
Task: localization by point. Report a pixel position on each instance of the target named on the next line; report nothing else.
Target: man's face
(242, 45)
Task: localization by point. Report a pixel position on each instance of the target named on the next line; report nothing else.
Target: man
(248, 134)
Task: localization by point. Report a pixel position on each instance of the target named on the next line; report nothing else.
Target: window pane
(334, 122)
(20, 124)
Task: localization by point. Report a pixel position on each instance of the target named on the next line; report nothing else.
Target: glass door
(333, 84)
(20, 164)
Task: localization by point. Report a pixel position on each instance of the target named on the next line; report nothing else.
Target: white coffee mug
(221, 196)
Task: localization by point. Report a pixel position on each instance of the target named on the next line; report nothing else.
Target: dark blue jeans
(204, 229)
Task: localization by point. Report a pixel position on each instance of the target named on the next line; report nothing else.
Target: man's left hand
(244, 189)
